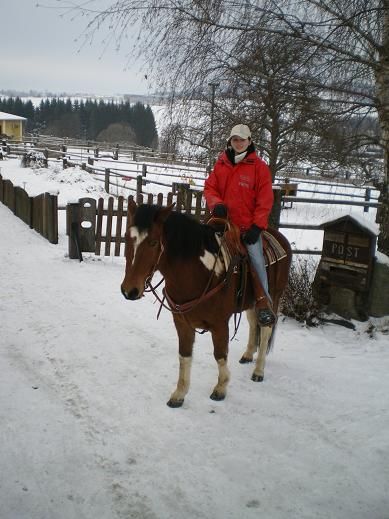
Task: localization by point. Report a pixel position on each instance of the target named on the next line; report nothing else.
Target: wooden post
(46, 155)
(139, 189)
(198, 198)
(367, 198)
(188, 201)
(87, 230)
(51, 214)
(106, 180)
(144, 170)
(90, 161)
(275, 215)
(64, 163)
(73, 224)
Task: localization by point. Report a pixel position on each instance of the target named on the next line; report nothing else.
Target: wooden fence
(99, 227)
(39, 212)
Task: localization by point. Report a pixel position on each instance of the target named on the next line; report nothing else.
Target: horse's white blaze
(208, 260)
(138, 237)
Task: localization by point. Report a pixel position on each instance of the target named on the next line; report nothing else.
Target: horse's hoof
(245, 360)
(175, 403)
(217, 396)
(257, 378)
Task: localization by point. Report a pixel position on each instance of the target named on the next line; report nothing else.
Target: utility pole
(213, 86)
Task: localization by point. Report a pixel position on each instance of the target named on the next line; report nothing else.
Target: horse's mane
(185, 237)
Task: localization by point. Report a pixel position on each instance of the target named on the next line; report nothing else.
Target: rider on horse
(240, 187)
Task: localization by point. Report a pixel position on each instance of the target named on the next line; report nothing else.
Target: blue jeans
(258, 262)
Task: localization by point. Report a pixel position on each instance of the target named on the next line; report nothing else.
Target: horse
(200, 291)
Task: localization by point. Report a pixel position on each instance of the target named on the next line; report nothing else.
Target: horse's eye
(153, 243)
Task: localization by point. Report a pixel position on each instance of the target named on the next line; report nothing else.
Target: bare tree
(347, 47)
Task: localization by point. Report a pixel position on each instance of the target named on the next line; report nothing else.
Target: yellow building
(12, 126)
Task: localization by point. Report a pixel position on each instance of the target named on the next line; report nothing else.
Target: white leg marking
(224, 377)
(252, 341)
(260, 364)
(183, 379)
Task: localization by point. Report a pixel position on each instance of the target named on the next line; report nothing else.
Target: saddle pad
(231, 245)
(272, 248)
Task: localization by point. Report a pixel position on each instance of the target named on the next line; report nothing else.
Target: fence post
(138, 187)
(367, 198)
(90, 161)
(87, 228)
(96, 152)
(46, 155)
(144, 170)
(51, 215)
(64, 163)
(72, 224)
(275, 214)
(106, 180)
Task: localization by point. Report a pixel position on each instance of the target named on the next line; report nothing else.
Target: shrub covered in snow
(298, 300)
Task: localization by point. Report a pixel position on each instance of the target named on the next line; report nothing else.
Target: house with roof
(12, 126)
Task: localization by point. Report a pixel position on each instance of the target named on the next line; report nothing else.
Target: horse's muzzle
(132, 294)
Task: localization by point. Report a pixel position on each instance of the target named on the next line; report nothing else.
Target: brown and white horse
(200, 293)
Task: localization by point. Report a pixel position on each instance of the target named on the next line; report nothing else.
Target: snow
(382, 258)
(370, 227)
(85, 376)
(4, 116)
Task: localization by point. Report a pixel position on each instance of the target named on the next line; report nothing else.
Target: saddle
(232, 246)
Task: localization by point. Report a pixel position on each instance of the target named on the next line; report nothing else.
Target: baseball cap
(240, 130)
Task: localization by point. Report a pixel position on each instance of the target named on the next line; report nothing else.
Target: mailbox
(343, 277)
(348, 254)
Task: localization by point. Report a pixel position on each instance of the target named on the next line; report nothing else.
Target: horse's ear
(163, 213)
(131, 208)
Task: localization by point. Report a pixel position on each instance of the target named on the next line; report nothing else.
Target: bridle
(148, 286)
(184, 308)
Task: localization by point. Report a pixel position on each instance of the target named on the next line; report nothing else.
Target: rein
(207, 293)
(184, 308)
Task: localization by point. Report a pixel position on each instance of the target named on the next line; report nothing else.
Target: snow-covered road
(86, 434)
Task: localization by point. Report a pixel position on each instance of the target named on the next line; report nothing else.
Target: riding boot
(263, 307)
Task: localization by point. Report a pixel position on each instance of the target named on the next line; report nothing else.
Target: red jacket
(245, 188)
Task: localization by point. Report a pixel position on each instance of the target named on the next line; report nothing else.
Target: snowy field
(86, 434)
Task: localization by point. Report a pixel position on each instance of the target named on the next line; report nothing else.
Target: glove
(220, 211)
(252, 235)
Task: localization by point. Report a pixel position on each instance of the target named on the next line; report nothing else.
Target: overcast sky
(39, 52)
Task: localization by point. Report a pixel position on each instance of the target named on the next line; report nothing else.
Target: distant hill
(154, 99)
